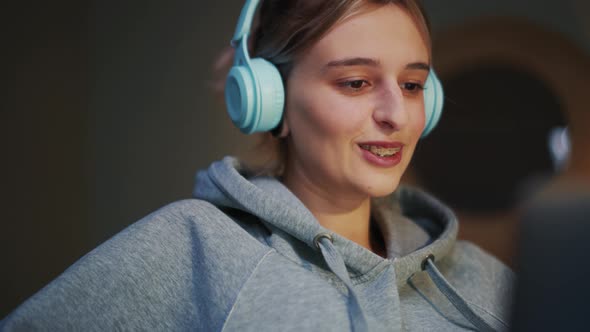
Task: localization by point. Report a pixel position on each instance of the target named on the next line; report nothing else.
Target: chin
(385, 187)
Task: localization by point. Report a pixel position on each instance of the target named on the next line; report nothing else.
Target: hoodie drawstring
(335, 262)
(451, 294)
(324, 242)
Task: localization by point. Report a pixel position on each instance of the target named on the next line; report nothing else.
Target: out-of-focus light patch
(559, 147)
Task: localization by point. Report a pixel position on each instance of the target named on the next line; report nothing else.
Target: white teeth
(380, 151)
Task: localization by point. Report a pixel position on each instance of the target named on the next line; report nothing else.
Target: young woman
(329, 242)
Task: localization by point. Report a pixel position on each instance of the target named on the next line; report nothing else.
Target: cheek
(414, 131)
(323, 114)
(417, 121)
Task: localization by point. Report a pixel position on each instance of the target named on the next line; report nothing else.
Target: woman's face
(355, 107)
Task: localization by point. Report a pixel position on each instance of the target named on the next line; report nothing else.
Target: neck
(348, 216)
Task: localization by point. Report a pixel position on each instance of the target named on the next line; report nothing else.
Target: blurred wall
(110, 113)
(568, 17)
(43, 143)
(512, 71)
(153, 120)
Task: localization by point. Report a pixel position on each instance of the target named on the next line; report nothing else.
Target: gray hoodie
(245, 254)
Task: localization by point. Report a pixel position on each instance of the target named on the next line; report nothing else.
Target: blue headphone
(254, 92)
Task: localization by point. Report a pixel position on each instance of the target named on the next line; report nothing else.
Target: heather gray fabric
(241, 256)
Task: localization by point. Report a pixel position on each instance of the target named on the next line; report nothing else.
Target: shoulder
(467, 256)
(473, 265)
(188, 220)
(480, 277)
(185, 210)
(158, 273)
(468, 251)
(201, 227)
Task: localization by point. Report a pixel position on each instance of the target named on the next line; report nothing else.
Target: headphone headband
(245, 21)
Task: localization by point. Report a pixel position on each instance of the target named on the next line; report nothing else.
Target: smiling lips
(384, 154)
(380, 150)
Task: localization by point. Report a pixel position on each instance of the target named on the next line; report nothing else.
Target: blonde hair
(285, 29)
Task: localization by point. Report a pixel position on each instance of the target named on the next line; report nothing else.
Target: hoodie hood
(415, 226)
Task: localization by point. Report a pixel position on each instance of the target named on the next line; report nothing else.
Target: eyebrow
(418, 66)
(370, 63)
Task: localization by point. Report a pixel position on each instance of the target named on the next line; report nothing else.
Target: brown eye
(355, 85)
(412, 87)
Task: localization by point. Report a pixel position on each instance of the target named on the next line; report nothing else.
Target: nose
(390, 111)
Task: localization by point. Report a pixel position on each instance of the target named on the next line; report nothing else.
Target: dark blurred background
(107, 112)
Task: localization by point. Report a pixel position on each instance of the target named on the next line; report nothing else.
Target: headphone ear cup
(240, 96)
(433, 102)
(271, 94)
(255, 96)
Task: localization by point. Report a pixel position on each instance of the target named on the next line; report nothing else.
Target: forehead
(386, 33)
